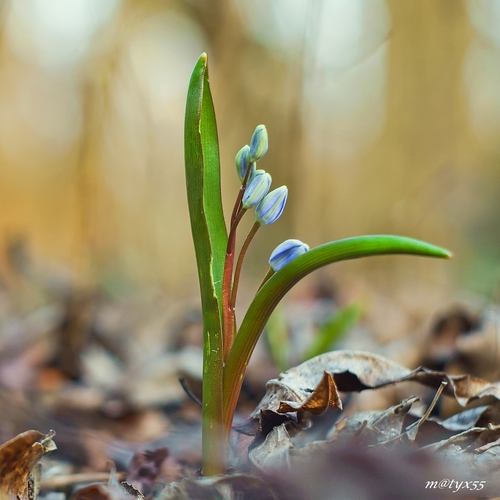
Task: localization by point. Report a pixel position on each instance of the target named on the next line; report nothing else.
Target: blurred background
(383, 117)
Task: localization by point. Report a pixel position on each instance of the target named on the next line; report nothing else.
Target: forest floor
(91, 406)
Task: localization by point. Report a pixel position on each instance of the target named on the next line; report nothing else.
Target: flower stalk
(228, 319)
(239, 264)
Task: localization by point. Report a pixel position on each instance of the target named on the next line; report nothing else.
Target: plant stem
(237, 205)
(213, 435)
(228, 323)
(239, 264)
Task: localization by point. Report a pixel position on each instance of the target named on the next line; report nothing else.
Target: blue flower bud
(272, 206)
(242, 161)
(285, 252)
(258, 143)
(257, 187)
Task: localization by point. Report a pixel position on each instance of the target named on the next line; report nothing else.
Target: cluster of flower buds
(269, 205)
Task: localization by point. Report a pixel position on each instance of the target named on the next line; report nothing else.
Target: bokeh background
(383, 117)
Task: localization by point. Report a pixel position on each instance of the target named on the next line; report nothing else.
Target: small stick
(62, 482)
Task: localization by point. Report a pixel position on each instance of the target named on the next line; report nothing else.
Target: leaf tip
(445, 254)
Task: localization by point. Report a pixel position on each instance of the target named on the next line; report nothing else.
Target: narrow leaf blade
(281, 282)
(210, 239)
(333, 330)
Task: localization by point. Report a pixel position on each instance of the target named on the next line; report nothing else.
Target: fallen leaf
(355, 371)
(465, 419)
(323, 470)
(17, 459)
(413, 429)
(97, 491)
(324, 395)
(478, 465)
(350, 370)
(145, 469)
(113, 490)
(372, 427)
(441, 344)
(436, 430)
(273, 453)
(478, 351)
(234, 486)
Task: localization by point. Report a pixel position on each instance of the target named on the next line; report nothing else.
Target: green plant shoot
(333, 330)
(226, 351)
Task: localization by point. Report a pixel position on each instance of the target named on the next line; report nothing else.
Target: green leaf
(332, 331)
(201, 154)
(281, 282)
(203, 180)
(276, 335)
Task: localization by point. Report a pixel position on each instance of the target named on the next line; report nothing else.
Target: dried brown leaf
(113, 490)
(350, 370)
(357, 371)
(97, 491)
(18, 457)
(465, 388)
(324, 395)
(273, 453)
(145, 468)
(478, 350)
(230, 487)
(323, 470)
(435, 430)
(481, 465)
(472, 440)
(372, 427)
(464, 420)
(413, 429)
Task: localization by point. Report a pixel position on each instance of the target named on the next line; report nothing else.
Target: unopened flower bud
(285, 252)
(271, 206)
(242, 161)
(257, 187)
(258, 143)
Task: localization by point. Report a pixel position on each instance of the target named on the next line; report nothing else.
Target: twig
(61, 482)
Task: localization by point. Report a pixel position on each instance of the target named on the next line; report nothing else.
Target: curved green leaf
(281, 282)
(201, 154)
(277, 338)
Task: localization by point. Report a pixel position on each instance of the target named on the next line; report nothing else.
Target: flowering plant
(227, 350)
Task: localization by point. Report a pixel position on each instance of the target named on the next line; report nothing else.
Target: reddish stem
(228, 322)
(237, 206)
(239, 264)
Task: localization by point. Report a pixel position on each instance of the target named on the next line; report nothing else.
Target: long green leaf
(281, 282)
(332, 331)
(201, 154)
(276, 334)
